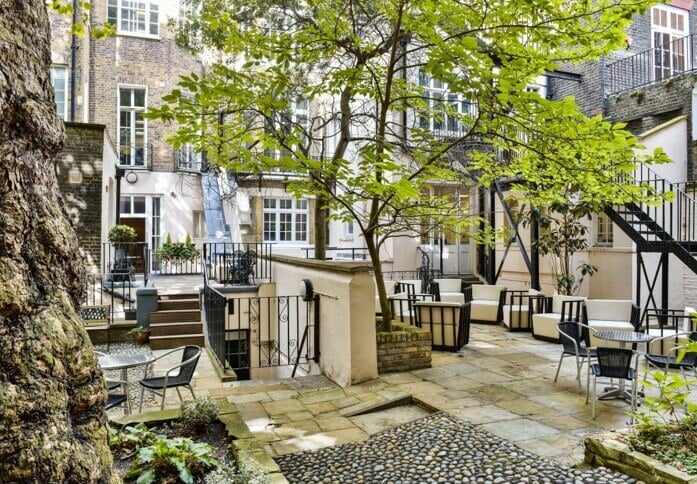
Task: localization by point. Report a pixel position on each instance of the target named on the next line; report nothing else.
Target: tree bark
(52, 421)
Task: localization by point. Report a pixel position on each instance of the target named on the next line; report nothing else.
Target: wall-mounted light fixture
(131, 177)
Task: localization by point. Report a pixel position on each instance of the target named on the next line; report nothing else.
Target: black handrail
(652, 65)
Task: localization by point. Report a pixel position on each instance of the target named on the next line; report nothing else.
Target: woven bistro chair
(666, 362)
(615, 363)
(176, 376)
(575, 342)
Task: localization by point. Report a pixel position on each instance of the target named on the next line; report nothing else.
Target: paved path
(436, 449)
(501, 382)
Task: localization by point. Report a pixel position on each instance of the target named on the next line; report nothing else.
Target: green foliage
(197, 415)
(121, 233)
(362, 71)
(131, 438)
(171, 458)
(249, 472)
(667, 430)
(177, 252)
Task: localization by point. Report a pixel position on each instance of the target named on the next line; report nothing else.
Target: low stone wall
(405, 348)
(606, 450)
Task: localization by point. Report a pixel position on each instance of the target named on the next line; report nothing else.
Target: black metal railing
(652, 65)
(341, 253)
(120, 296)
(673, 220)
(215, 307)
(410, 275)
(125, 259)
(187, 160)
(238, 263)
(263, 332)
(167, 266)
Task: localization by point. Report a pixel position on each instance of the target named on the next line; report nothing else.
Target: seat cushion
(545, 325)
(609, 309)
(449, 285)
(486, 292)
(484, 310)
(558, 300)
(452, 297)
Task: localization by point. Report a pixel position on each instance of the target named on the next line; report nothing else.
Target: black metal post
(639, 263)
(315, 327)
(664, 281)
(534, 252)
(491, 267)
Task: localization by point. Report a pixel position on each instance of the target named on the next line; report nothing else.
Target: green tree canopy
(373, 101)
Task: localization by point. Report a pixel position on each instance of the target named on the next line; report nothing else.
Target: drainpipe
(602, 86)
(73, 58)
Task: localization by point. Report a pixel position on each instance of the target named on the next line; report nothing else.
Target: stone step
(169, 342)
(169, 329)
(175, 316)
(171, 304)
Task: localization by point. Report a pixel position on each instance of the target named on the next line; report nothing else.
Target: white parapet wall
(346, 290)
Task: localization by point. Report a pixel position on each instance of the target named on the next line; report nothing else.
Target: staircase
(670, 227)
(177, 322)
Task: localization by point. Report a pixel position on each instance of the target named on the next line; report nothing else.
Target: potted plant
(142, 334)
(119, 235)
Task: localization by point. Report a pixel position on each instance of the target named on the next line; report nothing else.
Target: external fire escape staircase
(664, 229)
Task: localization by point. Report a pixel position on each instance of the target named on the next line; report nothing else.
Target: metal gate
(246, 333)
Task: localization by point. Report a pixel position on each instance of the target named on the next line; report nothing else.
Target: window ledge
(138, 35)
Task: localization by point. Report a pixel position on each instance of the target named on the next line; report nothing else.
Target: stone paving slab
(437, 448)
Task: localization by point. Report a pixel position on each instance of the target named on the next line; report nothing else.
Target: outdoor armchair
(556, 309)
(522, 304)
(615, 363)
(176, 376)
(611, 314)
(448, 290)
(486, 303)
(447, 322)
(665, 362)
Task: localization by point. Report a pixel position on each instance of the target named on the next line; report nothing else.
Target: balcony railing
(237, 264)
(653, 65)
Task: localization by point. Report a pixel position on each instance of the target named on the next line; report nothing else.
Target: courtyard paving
(501, 383)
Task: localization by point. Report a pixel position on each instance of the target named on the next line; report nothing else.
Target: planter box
(606, 450)
(405, 348)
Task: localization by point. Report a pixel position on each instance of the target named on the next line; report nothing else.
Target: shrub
(668, 430)
(131, 438)
(169, 458)
(121, 233)
(249, 472)
(197, 415)
(176, 252)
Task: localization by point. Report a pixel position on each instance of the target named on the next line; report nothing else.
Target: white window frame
(199, 224)
(676, 54)
(350, 228)
(433, 90)
(604, 232)
(271, 217)
(61, 67)
(132, 111)
(147, 12)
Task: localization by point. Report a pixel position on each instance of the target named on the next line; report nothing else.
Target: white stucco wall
(347, 324)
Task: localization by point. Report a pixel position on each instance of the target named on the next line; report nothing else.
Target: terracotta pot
(142, 337)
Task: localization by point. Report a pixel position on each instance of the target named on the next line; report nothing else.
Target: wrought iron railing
(410, 275)
(652, 65)
(119, 296)
(165, 266)
(238, 263)
(215, 314)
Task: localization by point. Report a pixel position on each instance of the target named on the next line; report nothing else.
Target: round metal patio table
(123, 362)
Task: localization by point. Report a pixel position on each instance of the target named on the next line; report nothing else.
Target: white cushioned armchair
(517, 314)
(613, 314)
(447, 322)
(486, 303)
(448, 290)
(544, 324)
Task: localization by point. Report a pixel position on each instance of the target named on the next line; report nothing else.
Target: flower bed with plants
(662, 446)
(193, 448)
(177, 252)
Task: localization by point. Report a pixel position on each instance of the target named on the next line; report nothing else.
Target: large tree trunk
(52, 422)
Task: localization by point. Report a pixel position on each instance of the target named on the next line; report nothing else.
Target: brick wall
(82, 155)
(405, 348)
(123, 59)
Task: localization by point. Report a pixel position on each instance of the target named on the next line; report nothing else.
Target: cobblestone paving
(438, 448)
